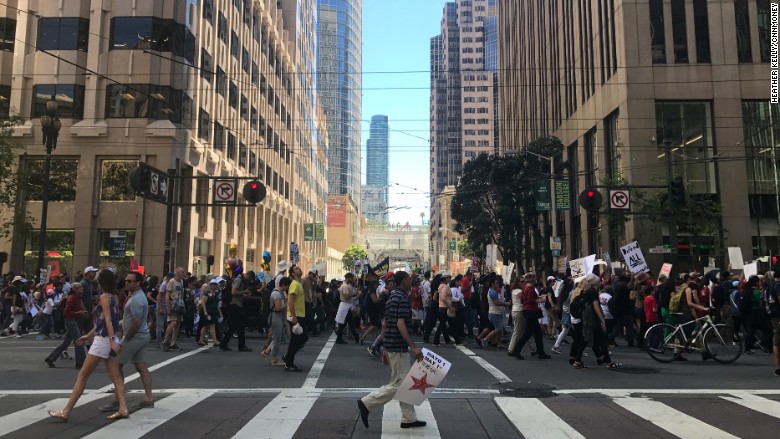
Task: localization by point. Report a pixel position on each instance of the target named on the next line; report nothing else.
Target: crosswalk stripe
(671, 419)
(23, 418)
(754, 402)
(493, 370)
(285, 413)
(534, 419)
(391, 422)
(146, 420)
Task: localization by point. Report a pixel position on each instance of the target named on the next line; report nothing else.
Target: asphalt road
(203, 392)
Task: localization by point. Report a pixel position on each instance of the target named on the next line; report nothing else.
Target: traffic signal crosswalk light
(677, 192)
(590, 200)
(254, 192)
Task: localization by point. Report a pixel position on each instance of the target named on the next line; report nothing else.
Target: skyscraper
(339, 63)
(375, 192)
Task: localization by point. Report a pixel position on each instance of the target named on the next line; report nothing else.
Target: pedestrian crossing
(332, 413)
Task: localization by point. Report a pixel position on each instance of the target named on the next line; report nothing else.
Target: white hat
(17, 279)
(90, 269)
(220, 279)
(445, 274)
(550, 277)
(214, 281)
(282, 266)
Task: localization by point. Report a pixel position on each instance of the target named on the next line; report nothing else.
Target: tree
(10, 181)
(354, 253)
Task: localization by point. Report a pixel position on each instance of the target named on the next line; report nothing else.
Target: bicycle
(663, 341)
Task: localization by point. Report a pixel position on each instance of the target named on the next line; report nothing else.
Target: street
(203, 392)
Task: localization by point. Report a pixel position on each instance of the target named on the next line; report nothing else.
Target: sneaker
(777, 372)
(556, 350)
(166, 347)
(415, 424)
(340, 341)
(543, 356)
(371, 351)
(225, 348)
(244, 349)
(174, 347)
(363, 412)
(110, 407)
(292, 368)
(50, 363)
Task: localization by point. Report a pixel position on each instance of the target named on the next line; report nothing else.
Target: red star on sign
(421, 383)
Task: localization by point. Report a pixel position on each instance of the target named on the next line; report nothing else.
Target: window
(253, 117)
(244, 108)
(204, 125)
(149, 101)
(115, 180)
(233, 96)
(5, 98)
(245, 60)
(267, 175)
(260, 170)
(222, 31)
(152, 33)
(219, 137)
(221, 82)
(235, 50)
(679, 33)
(231, 146)
(763, 29)
(759, 120)
(255, 73)
(744, 50)
(208, 10)
(242, 155)
(63, 33)
(657, 37)
(252, 162)
(7, 34)
(206, 66)
(62, 187)
(702, 25)
(70, 98)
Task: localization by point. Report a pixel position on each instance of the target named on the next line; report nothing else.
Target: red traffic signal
(590, 194)
(254, 192)
(590, 200)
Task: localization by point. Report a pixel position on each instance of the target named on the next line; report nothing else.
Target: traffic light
(139, 179)
(590, 200)
(254, 192)
(775, 264)
(677, 192)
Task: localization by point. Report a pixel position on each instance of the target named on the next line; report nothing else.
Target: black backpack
(577, 306)
(227, 294)
(612, 306)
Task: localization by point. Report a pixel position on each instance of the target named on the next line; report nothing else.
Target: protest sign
(590, 263)
(634, 258)
(422, 378)
(735, 258)
(666, 270)
(750, 269)
(578, 271)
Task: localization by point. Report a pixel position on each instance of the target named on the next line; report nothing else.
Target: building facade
(621, 83)
(462, 106)
(339, 83)
(376, 191)
(202, 88)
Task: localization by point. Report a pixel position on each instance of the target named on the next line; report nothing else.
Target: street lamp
(50, 125)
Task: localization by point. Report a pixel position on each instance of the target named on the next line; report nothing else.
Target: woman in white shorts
(105, 345)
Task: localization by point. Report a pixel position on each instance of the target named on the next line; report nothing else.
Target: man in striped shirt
(397, 341)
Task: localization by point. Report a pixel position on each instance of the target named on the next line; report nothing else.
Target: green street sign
(452, 246)
(562, 195)
(308, 232)
(319, 232)
(543, 196)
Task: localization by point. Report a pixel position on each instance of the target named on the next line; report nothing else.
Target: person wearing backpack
(682, 305)
(605, 298)
(624, 318)
(753, 312)
(772, 296)
(589, 324)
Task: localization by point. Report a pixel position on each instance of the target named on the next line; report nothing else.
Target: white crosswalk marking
(754, 402)
(23, 418)
(671, 419)
(285, 413)
(391, 422)
(493, 370)
(534, 419)
(146, 420)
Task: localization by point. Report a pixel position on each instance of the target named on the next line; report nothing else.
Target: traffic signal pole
(672, 206)
(169, 224)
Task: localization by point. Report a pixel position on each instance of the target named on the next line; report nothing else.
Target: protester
(73, 314)
(295, 310)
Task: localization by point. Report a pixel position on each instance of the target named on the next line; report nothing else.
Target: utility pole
(672, 207)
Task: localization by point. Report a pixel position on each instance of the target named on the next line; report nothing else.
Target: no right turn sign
(619, 199)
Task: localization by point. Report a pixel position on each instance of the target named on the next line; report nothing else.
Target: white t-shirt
(604, 302)
(457, 296)
(517, 306)
(426, 291)
(48, 306)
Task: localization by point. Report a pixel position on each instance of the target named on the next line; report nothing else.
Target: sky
(396, 38)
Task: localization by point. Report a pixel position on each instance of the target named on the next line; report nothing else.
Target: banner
(577, 267)
(423, 378)
(543, 196)
(319, 232)
(562, 195)
(382, 268)
(735, 258)
(666, 270)
(634, 258)
(308, 232)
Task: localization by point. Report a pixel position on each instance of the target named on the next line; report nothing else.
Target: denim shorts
(497, 320)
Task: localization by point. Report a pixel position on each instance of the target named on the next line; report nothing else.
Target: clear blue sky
(396, 37)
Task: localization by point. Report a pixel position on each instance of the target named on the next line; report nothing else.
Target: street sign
(555, 245)
(562, 195)
(619, 199)
(543, 196)
(452, 246)
(117, 244)
(308, 232)
(225, 191)
(660, 250)
(319, 232)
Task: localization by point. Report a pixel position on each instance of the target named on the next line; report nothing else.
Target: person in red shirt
(469, 313)
(531, 314)
(74, 313)
(651, 313)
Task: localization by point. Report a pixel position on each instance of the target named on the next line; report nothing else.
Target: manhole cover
(636, 370)
(525, 390)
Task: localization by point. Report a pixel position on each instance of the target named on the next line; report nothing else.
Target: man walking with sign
(397, 342)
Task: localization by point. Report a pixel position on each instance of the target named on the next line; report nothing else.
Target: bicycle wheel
(660, 341)
(723, 344)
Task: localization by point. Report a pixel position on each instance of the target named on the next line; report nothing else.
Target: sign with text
(750, 269)
(319, 232)
(308, 232)
(666, 270)
(225, 191)
(562, 195)
(562, 263)
(577, 267)
(735, 258)
(423, 377)
(543, 196)
(634, 258)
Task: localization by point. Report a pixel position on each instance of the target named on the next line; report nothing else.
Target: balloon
(266, 257)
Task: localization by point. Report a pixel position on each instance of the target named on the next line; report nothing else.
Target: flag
(382, 268)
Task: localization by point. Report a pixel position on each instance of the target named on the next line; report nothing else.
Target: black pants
(600, 348)
(296, 343)
(577, 344)
(442, 329)
(236, 325)
(431, 315)
(73, 333)
(348, 321)
(310, 325)
(456, 326)
(625, 320)
(758, 321)
(532, 328)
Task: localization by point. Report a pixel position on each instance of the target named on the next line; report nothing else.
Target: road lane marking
(319, 364)
(493, 370)
(671, 419)
(391, 422)
(31, 415)
(145, 420)
(534, 420)
(756, 403)
(284, 414)
(157, 366)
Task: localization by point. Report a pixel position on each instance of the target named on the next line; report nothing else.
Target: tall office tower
(375, 192)
(339, 61)
(624, 83)
(462, 98)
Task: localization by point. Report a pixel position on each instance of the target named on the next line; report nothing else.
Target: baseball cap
(17, 279)
(214, 281)
(90, 269)
(550, 277)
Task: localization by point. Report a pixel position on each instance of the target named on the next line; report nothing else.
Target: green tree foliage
(354, 253)
(11, 180)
